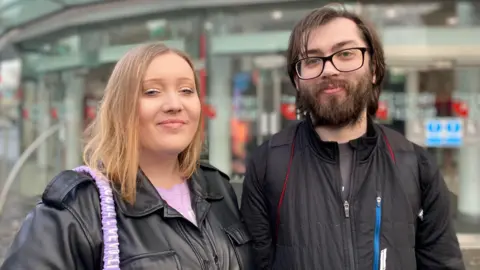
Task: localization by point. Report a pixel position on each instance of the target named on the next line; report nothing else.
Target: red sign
(382, 112)
(19, 94)
(289, 111)
(90, 112)
(209, 111)
(460, 109)
(25, 114)
(54, 113)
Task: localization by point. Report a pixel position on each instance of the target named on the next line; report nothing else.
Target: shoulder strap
(403, 155)
(281, 146)
(111, 251)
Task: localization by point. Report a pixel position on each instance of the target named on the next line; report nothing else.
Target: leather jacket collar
(148, 200)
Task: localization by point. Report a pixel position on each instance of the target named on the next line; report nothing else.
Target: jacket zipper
(349, 232)
(376, 237)
(197, 254)
(348, 219)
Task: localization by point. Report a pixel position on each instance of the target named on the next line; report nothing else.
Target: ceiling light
(391, 13)
(277, 15)
(452, 20)
(155, 24)
(208, 25)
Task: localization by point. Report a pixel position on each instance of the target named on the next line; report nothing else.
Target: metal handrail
(23, 158)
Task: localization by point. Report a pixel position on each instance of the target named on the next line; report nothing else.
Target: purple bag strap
(111, 251)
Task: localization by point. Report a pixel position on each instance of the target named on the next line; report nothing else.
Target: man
(336, 190)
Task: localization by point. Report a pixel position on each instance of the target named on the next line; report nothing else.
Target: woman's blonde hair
(113, 140)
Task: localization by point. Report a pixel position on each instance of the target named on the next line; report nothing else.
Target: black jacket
(64, 230)
(317, 229)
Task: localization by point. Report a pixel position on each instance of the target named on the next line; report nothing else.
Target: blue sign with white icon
(444, 132)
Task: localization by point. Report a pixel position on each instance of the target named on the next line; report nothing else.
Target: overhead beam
(99, 12)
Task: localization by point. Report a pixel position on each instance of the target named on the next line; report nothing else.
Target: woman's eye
(151, 92)
(187, 90)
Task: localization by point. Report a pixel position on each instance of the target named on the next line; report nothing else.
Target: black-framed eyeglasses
(345, 60)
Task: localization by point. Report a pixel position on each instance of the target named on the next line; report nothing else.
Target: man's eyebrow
(342, 44)
(314, 52)
(335, 47)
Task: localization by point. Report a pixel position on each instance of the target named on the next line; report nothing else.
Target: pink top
(178, 197)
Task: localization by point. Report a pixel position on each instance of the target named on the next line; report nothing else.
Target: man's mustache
(331, 83)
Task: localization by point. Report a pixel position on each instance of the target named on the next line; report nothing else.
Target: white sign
(10, 73)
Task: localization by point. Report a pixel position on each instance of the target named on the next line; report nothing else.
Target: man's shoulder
(279, 140)
(286, 135)
(397, 140)
(402, 145)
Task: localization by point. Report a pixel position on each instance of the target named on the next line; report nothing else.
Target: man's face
(335, 98)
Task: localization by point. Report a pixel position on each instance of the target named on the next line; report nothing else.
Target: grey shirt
(346, 159)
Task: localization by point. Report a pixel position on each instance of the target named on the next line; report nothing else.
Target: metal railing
(13, 174)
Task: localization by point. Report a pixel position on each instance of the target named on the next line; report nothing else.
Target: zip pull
(379, 201)
(346, 208)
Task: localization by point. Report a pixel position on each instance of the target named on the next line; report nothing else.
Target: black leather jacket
(64, 230)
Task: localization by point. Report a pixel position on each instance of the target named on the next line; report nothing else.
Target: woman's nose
(172, 102)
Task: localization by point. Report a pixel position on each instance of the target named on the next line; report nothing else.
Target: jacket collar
(329, 151)
(148, 200)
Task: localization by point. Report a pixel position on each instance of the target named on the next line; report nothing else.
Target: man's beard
(333, 110)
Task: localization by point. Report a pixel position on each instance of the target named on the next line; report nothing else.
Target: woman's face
(169, 108)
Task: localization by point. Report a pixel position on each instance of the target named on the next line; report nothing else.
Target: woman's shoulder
(217, 180)
(70, 188)
(211, 171)
(63, 218)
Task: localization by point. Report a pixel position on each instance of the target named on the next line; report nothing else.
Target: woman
(167, 212)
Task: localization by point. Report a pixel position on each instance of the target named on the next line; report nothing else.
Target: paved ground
(23, 195)
(13, 215)
(472, 259)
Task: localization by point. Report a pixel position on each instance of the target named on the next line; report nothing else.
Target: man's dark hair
(301, 32)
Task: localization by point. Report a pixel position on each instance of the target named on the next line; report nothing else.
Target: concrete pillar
(74, 107)
(43, 121)
(412, 120)
(29, 92)
(220, 97)
(467, 83)
(89, 45)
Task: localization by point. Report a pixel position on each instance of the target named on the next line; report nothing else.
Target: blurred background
(56, 57)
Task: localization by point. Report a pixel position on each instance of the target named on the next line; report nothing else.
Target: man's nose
(329, 69)
(172, 102)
